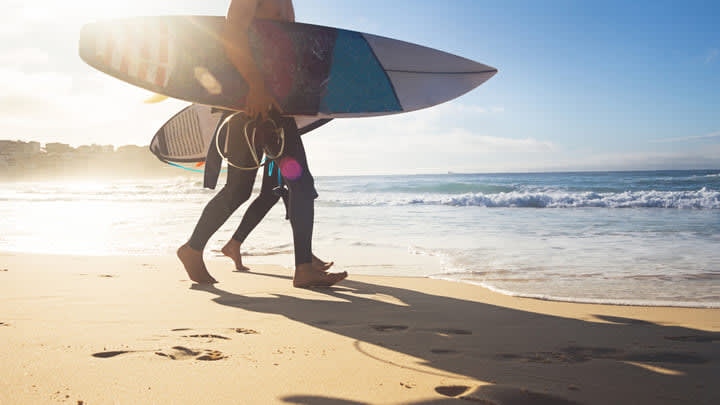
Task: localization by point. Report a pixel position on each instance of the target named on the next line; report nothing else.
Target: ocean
(625, 238)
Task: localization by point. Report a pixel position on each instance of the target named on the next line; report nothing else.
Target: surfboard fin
(155, 98)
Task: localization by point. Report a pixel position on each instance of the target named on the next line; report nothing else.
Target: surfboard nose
(422, 76)
(86, 43)
(397, 55)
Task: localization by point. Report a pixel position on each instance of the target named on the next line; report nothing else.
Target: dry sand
(134, 330)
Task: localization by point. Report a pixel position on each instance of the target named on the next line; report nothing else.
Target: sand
(134, 330)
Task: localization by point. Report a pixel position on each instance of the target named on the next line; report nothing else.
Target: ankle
(186, 248)
(303, 267)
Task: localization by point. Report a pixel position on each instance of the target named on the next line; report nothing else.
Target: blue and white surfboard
(311, 70)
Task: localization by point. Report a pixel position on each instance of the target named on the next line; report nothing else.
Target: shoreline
(134, 330)
(265, 261)
(589, 301)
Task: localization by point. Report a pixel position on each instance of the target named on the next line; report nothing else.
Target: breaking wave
(700, 199)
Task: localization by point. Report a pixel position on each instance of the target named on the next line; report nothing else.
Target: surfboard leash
(250, 140)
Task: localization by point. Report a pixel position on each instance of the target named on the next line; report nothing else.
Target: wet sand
(135, 330)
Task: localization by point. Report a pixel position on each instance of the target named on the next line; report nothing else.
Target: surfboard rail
(311, 70)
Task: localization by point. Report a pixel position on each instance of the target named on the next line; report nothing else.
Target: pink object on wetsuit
(290, 168)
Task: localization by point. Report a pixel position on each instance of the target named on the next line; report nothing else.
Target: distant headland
(30, 161)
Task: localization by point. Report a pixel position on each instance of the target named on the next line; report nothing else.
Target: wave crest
(700, 199)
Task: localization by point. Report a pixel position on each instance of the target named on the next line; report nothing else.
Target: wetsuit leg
(236, 191)
(259, 207)
(297, 176)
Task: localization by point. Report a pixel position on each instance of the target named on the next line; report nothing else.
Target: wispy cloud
(432, 140)
(52, 107)
(687, 138)
(712, 55)
(699, 158)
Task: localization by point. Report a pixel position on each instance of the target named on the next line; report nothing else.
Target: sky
(582, 85)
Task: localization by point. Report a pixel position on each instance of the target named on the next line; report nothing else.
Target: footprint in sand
(208, 336)
(244, 331)
(183, 353)
(389, 328)
(177, 353)
(497, 395)
(107, 355)
(212, 355)
(452, 390)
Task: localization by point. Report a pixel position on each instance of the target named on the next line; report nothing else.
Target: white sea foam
(581, 300)
(700, 199)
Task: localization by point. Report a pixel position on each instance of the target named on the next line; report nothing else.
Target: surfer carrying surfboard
(293, 163)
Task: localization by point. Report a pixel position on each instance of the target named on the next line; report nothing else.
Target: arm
(241, 14)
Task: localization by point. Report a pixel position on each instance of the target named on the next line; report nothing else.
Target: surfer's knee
(266, 200)
(233, 196)
(240, 195)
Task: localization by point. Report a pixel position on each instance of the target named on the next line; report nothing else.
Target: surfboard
(186, 137)
(311, 70)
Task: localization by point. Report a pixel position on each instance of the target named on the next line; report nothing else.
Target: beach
(132, 329)
(549, 238)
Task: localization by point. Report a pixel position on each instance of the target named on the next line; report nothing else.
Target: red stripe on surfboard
(133, 39)
(160, 76)
(125, 54)
(109, 49)
(163, 56)
(144, 56)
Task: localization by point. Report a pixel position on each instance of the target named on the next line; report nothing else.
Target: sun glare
(80, 10)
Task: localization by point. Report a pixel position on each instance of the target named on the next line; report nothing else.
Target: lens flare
(290, 168)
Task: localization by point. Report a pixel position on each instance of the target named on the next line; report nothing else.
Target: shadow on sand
(529, 358)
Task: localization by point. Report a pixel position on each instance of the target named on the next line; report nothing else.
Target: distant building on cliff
(13, 153)
(90, 149)
(58, 148)
(28, 160)
(19, 147)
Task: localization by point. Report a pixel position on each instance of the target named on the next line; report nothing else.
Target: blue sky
(581, 85)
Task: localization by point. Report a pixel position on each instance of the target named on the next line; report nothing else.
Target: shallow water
(626, 238)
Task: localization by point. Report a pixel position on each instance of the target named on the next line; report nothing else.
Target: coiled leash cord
(250, 138)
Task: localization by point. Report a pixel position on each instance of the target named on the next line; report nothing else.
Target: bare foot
(194, 265)
(307, 276)
(320, 265)
(232, 250)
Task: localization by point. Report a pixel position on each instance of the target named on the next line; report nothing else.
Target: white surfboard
(187, 136)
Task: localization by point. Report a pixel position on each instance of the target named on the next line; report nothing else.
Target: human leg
(254, 214)
(296, 174)
(235, 192)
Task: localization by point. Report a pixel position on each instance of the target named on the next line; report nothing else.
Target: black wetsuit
(262, 204)
(238, 188)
